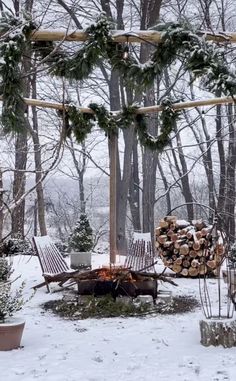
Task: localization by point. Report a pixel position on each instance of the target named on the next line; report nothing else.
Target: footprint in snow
(221, 375)
(191, 363)
(97, 359)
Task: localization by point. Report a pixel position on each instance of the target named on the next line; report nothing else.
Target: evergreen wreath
(203, 59)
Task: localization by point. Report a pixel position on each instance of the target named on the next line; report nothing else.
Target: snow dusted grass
(156, 348)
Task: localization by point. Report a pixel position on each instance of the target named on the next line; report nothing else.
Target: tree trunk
(222, 176)
(165, 182)
(38, 166)
(134, 190)
(150, 12)
(18, 214)
(230, 178)
(186, 190)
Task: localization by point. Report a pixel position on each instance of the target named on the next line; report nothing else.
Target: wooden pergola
(140, 36)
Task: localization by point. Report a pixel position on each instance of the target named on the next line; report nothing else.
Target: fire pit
(118, 282)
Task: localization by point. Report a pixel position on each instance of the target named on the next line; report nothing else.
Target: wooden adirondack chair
(53, 265)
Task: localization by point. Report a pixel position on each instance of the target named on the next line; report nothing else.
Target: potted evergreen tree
(81, 243)
(11, 329)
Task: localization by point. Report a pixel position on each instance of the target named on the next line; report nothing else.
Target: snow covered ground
(157, 348)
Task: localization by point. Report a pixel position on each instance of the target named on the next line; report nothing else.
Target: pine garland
(203, 59)
(11, 88)
(168, 120)
(81, 123)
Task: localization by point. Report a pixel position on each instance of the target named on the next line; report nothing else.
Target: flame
(112, 273)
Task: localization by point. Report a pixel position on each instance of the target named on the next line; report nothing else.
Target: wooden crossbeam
(140, 110)
(122, 36)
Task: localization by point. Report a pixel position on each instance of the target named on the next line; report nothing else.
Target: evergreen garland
(168, 120)
(203, 59)
(81, 123)
(11, 87)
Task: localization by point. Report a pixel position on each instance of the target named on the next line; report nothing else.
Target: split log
(181, 224)
(170, 233)
(174, 237)
(184, 272)
(176, 268)
(170, 219)
(164, 224)
(167, 243)
(184, 249)
(202, 269)
(193, 271)
(199, 224)
(162, 238)
(179, 260)
(198, 235)
(186, 263)
(211, 264)
(193, 253)
(195, 263)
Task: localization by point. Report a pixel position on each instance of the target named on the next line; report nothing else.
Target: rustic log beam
(122, 36)
(140, 110)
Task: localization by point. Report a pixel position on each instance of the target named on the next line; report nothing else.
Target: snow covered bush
(232, 256)
(81, 239)
(14, 246)
(9, 302)
(5, 270)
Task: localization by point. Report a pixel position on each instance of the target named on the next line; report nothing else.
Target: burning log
(114, 281)
(188, 248)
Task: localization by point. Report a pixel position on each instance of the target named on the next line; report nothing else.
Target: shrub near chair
(11, 328)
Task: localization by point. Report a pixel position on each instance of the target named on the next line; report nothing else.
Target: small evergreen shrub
(81, 239)
(232, 256)
(15, 246)
(9, 302)
(5, 270)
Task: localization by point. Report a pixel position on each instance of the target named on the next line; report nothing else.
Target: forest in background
(197, 167)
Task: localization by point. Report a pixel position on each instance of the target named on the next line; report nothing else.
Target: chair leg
(39, 285)
(45, 283)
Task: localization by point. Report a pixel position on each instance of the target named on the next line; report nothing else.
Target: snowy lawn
(165, 347)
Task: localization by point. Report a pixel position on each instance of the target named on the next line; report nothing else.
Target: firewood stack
(188, 248)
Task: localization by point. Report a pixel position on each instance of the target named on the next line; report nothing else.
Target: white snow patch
(134, 349)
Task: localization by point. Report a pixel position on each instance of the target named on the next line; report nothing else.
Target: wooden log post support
(218, 332)
(113, 198)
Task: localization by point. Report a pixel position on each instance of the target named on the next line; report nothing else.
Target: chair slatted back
(140, 256)
(51, 260)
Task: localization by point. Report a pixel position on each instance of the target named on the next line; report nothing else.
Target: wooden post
(113, 191)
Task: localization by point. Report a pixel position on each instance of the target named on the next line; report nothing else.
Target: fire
(112, 273)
